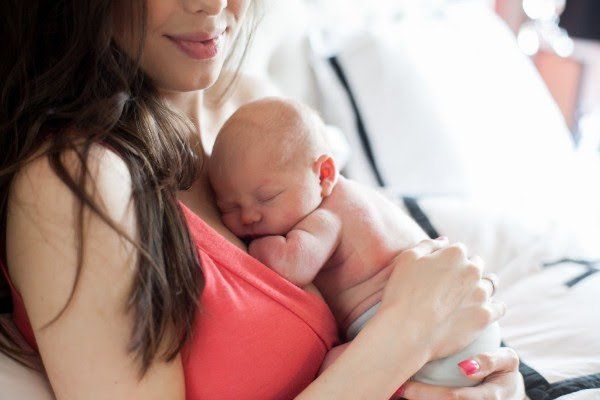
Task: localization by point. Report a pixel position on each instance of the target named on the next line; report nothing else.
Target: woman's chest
(254, 338)
(199, 200)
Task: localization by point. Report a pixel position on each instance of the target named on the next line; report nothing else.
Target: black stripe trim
(592, 266)
(538, 388)
(587, 263)
(531, 378)
(551, 391)
(360, 126)
(416, 212)
(581, 277)
(534, 382)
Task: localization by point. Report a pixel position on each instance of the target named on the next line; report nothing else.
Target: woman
(123, 276)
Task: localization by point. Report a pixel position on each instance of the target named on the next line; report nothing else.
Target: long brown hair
(66, 85)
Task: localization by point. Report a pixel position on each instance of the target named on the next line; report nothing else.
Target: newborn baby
(277, 186)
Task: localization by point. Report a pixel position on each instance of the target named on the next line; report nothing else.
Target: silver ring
(493, 279)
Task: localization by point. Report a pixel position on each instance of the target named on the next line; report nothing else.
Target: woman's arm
(373, 365)
(84, 351)
(433, 304)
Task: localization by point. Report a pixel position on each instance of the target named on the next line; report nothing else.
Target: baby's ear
(327, 171)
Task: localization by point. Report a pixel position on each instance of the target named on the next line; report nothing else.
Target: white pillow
(451, 106)
(549, 279)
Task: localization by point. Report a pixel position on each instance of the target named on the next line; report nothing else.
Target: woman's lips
(197, 46)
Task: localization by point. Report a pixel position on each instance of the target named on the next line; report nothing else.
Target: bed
(443, 113)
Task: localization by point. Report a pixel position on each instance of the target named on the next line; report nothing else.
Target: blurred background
(563, 39)
(494, 100)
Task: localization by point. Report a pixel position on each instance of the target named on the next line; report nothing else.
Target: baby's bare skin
(374, 231)
(276, 184)
(344, 247)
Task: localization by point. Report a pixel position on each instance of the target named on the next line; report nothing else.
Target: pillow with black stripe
(550, 283)
(447, 104)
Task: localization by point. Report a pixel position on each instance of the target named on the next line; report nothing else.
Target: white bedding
(553, 318)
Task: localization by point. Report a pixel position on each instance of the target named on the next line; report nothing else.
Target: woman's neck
(191, 104)
(199, 197)
(188, 103)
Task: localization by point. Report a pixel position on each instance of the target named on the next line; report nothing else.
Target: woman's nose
(250, 216)
(210, 7)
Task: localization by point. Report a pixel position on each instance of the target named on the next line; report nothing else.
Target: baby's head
(270, 167)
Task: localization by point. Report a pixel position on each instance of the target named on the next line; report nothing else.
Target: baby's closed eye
(267, 197)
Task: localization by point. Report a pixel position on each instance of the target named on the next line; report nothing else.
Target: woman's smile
(200, 45)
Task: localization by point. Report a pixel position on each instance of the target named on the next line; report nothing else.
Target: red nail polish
(469, 367)
(400, 392)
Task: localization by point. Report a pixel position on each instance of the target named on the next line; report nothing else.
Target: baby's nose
(250, 217)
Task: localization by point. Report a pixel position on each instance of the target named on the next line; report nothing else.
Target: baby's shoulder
(324, 215)
(349, 200)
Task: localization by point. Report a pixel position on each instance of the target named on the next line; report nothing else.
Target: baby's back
(374, 231)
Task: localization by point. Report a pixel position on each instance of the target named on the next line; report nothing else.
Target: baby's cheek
(289, 217)
(230, 221)
(271, 220)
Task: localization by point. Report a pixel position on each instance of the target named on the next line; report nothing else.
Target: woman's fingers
(412, 390)
(478, 261)
(426, 247)
(490, 281)
(484, 289)
(480, 366)
(497, 310)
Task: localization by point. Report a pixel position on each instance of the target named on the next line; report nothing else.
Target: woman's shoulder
(41, 183)
(75, 273)
(44, 199)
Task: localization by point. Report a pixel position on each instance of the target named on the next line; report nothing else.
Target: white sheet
(554, 328)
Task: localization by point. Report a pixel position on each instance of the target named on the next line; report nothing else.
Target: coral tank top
(258, 336)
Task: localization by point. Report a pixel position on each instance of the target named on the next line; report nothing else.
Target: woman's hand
(437, 292)
(433, 304)
(501, 381)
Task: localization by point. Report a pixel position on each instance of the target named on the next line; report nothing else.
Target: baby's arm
(300, 255)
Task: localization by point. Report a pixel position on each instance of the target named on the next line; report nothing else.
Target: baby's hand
(265, 249)
(300, 255)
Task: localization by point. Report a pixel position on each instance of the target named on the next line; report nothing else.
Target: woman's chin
(198, 83)
(191, 82)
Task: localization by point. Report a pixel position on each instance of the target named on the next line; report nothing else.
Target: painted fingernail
(469, 367)
(400, 392)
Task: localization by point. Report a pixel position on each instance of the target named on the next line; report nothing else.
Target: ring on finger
(493, 279)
